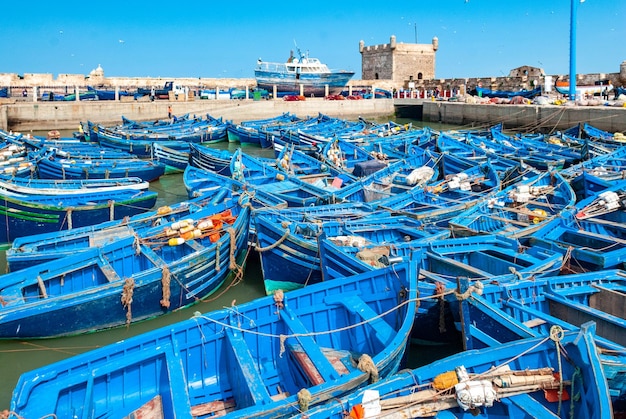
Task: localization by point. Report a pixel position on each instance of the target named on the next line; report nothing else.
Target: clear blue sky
(216, 38)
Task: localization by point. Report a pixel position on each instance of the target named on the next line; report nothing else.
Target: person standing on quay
(169, 111)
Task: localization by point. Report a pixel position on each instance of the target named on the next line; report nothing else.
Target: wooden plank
(153, 409)
(356, 305)
(215, 408)
(310, 347)
(248, 367)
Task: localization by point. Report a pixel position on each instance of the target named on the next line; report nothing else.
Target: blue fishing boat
(36, 186)
(211, 159)
(259, 131)
(536, 146)
(586, 244)
(437, 202)
(200, 182)
(530, 378)
(519, 210)
(26, 213)
(287, 239)
(312, 170)
(351, 157)
(510, 171)
(390, 180)
(130, 279)
(108, 94)
(505, 94)
(300, 72)
(55, 167)
(489, 258)
(538, 159)
(496, 314)
(269, 358)
(42, 247)
(175, 160)
(610, 166)
(258, 175)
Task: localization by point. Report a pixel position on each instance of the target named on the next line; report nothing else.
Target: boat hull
(311, 85)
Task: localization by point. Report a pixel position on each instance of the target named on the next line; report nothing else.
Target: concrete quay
(39, 116)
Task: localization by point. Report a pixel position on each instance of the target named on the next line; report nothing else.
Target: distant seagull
(121, 41)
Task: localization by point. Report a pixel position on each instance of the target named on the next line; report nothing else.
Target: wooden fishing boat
(351, 157)
(257, 175)
(259, 131)
(54, 167)
(610, 166)
(607, 205)
(489, 258)
(199, 182)
(506, 94)
(287, 239)
(130, 279)
(518, 210)
(526, 378)
(437, 202)
(534, 146)
(497, 314)
(538, 159)
(25, 213)
(586, 244)
(142, 146)
(297, 163)
(510, 171)
(176, 135)
(175, 160)
(268, 358)
(42, 247)
(211, 159)
(390, 180)
(36, 186)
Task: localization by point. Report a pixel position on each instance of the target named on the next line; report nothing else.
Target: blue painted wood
(245, 360)
(426, 391)
(161, 275)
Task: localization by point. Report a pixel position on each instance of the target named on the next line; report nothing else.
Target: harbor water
(18, 356)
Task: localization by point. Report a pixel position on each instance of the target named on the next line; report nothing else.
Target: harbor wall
(540, 118)
(36, 116)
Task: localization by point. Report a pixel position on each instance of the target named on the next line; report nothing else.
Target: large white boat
(301, 72)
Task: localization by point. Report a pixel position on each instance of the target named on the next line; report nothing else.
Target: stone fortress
(392, 66)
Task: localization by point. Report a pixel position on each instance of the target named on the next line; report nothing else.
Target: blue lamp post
(572, 50)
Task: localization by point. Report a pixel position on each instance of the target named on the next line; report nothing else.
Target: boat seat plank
(152, 256)
(576, 290)
(310, 347)
(247, 366)
(108, 270)
(356, 305)
(531, 405)
(479, 273)
(194, 245)
(215, 409)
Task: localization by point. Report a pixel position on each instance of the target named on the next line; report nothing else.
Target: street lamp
(572, 49)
